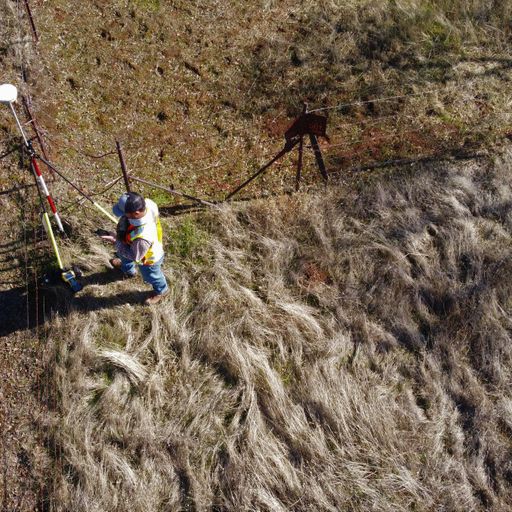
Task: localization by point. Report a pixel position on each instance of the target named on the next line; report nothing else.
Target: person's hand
(109, 238)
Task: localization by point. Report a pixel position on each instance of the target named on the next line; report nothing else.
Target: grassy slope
(344, 351)
(364, 361)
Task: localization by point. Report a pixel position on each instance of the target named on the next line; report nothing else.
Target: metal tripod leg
(299, 165)
(318, 156)
(288, 147)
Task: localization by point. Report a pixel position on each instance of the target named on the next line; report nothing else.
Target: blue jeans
(152, 274)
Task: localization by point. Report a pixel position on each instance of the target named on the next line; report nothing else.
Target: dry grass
(343, 351)
(339, 351)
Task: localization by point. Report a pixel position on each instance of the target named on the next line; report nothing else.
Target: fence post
(31, 19)
(27, 103)
(123, 166)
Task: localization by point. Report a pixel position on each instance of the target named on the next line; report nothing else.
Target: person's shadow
(27, 307)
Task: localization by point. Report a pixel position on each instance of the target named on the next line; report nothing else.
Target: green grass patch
(161, 198)
(186, 240)
(106, 378)
(147, 5)
(285, 369)
(109, 335)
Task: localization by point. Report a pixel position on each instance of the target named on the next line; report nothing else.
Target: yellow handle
(51, 236)
(102, 210)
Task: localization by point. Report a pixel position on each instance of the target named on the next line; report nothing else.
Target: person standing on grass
(138, 242)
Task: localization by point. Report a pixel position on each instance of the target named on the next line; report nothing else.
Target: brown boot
(116, 263)
(154, 298)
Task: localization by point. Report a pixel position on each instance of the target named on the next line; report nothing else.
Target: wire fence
(32, 237)
(374, 100)
(355, 146)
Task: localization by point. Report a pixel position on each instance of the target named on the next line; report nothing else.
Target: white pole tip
(8, 93)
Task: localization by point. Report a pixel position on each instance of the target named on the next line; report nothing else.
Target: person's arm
(118, 236)
(135, 251)
(139, 249)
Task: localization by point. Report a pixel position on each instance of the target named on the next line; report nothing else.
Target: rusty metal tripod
(312, 125)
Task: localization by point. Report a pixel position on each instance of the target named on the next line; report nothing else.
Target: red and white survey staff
(8, 94)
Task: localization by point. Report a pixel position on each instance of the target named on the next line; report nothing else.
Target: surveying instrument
(70, 275)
